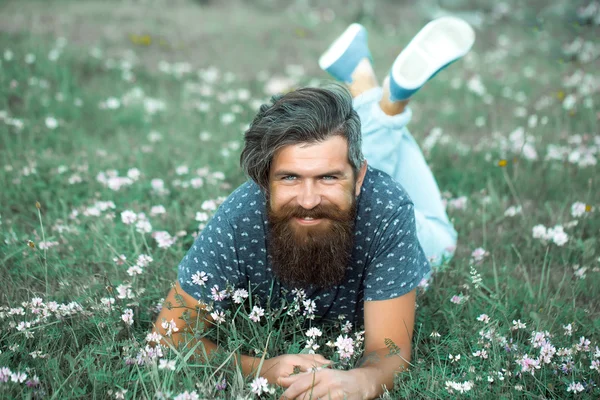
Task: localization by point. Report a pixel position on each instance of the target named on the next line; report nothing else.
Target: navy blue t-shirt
(387, 260)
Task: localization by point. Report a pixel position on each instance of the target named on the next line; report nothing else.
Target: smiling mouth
(308, 221)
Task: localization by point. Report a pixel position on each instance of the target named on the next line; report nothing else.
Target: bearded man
(341, 204)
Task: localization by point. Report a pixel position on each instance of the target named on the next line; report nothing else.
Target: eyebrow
(335, 172)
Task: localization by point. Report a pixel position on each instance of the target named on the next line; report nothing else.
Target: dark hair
(306, 115)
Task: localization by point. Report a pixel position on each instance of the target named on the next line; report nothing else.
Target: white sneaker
(437, 45)
(344, 54)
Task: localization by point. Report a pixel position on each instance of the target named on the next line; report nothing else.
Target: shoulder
(247, 201)
(381, 191)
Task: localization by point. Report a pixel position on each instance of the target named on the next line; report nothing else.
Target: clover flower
(209, 205)
(153, 337)
(127, 316)
(347, 327)
(528, 364)
(583, 345)
(135, 270)
(345, 346)
(556, 234)
(182, 170)
(259, 386)
(201, 216)
(218, 316)
(460, 203)
(166, 364)
(128, 217)
(538, 339)
(484, 318)
(124, 291)
(220, 386)
(5, 374)
(517, 325)
(309, 308)
(578, 209)
(451, 386)
(454, 359)
(312, 345)
(218, 295)
(33, 382)
(239, 296)
(299, 295)
(459, 299)
(18, 377)
(200, 278)
(51, 122)
(164, 239)
(170, 327)
(479, 254)
(187, 396)
(547, 351)
(144, 260)
(481, 354)
(256, 313)
(575, 387)
(120, 260)
(513, 210)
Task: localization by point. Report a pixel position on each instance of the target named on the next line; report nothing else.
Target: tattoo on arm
(367, 359)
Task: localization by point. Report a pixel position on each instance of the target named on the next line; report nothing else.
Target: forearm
(247, 363)
(378, 368)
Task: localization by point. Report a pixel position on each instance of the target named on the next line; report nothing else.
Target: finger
(285, 382)
(299, 384)
(320, 392)
(320, 358)
(311, 365)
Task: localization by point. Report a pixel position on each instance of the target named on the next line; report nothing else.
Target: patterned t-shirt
(387, 260)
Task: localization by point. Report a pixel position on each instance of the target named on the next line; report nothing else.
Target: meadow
(117, 145)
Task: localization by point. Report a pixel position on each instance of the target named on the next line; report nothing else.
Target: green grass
(83, 353)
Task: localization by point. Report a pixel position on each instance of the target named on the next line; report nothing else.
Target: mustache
(318, 212)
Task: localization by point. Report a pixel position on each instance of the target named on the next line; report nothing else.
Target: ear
(361, 177)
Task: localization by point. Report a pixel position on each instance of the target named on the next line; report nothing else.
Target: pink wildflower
(528, 364)
(127, 316)
(345, 346)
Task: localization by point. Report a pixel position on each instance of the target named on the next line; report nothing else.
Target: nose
(308, 197)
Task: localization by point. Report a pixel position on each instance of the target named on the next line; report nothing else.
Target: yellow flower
(502, 163)
(588, 208)
(31, 244)
(560, 95)
(142, 40)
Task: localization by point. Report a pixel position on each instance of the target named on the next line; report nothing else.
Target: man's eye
(329, 178)
(288, 178)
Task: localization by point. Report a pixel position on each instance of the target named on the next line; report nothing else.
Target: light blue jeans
(389, 147)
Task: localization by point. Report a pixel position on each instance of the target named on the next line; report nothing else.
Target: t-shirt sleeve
(210, 265)
(399, 263)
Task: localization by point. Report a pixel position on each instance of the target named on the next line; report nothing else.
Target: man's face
(311, 210)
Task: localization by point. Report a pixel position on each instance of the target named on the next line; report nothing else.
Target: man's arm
(389, 328)
(179, 303)
(388, 333)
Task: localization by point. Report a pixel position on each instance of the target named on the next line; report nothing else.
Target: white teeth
(308, 218)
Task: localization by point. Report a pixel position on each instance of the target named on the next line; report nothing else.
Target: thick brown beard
(311, 255)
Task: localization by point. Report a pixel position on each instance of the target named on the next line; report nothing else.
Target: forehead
(309, 158)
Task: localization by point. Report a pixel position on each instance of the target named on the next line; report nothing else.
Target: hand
(287, 364)
(330, 384)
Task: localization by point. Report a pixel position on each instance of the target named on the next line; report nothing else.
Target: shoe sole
(438, 44)
(339, 46)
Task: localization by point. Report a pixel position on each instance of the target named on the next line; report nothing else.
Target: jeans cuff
(367, 106)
